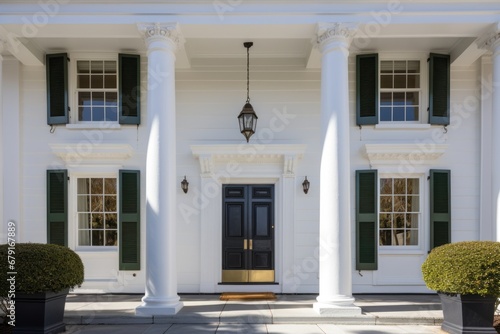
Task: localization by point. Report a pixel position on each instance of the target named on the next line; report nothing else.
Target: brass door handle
(245, 244)
(251, 244)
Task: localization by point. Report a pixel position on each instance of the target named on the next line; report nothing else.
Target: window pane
(83, 204)
(111, 99)
(386, 114)
(400, 66)
(84, 99)
(411, 98)
(400, 186)
(110, 203)
(97, 66)
(385, 203)
(411, 113)
(385, 238)
(97, 220)
(84, 237)
(399, 237)
(84, 220)
(386, 66)
(111, 238)
(84, 114)
(385, 220)
(386, 186)
(83, 66)
(83, 186)
(413, 81)
(98, 98)
(385, 99)
(398, 114)
(96, 186)
(412, 237)
(83, 81)
(110, 66)
(111, 114)
(413, 203)
(399, 220)
(98, 114)
(412, 220)
(96, 81)
(399, 203)
(110, 186)
(413, 66)
(386, 81)
(110, 81)
(413, 186)
(96, 203)
(97, 238)
(400, 81)
(398, 99)
(111, 221)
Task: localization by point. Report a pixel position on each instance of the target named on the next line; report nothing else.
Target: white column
(494, 44)
(161, 183)
(335, 263)
(288, 227)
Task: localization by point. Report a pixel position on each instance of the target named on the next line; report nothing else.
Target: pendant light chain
(248, 74)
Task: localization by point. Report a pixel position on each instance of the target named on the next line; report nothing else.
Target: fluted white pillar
(161, 184)
(335, 263)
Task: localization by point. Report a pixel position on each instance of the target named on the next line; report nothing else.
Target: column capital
(328, 31)
(154, 31)
(491, 40)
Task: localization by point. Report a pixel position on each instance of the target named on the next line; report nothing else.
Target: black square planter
(40, 312)
(468, 314)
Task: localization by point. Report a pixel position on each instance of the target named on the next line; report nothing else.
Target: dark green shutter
(366, 220)
(57, 207)
(439, 89)
(129, 88)
(367, 89)
(56, 66)
(130, 227)
(440, 207)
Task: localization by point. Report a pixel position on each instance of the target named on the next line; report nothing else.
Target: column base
(336, 306)
(336, 310)
(156, 306)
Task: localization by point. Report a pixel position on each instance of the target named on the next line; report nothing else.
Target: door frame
(247, 164)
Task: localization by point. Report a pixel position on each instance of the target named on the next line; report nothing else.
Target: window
(399, 211)
(97, 212)
(97, 90)
(400, 90)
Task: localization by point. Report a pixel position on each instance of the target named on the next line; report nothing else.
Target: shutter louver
(56, 66)
(440, 220)
(367, 89)
(129, 89)
(57, 207)
(366, 220)
(439, 89)
(129, 240)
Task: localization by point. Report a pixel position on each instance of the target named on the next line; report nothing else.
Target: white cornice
(88, 153)
(396, 154)
(287, 154)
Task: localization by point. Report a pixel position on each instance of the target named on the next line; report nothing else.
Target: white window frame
(424, 88)
(73, 90)
(73, 210)
(423, 221)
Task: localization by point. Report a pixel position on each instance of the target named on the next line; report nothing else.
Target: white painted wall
(208, 102)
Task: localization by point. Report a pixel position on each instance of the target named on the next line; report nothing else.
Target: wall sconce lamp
(305, 185)
(184, 185)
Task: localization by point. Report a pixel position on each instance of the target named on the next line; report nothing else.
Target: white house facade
(387, 108)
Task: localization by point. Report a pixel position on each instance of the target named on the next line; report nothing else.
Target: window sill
(398, 126)
(400, 251)
(96, 249)
(94, 126)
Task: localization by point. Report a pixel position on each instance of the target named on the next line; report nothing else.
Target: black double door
(248, 234)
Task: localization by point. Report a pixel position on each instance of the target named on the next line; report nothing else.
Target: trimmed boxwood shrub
(41, 268)
(468, 267)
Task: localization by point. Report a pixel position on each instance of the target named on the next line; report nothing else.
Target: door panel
(248, 233)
